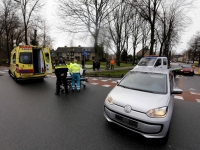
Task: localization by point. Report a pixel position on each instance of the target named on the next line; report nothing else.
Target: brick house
(75, 52)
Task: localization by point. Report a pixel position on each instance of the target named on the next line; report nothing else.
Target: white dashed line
(114, 82)
(198, 100)
(94, 83)
(94, 79)
(191, 89)
(106, 85)
(178, 97)
(53, 76)
(194, 93)
(104, 80)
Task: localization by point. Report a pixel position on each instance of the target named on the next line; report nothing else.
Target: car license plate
(133, 123)
(118, 117)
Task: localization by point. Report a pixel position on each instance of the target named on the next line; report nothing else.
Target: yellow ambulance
(30, 62)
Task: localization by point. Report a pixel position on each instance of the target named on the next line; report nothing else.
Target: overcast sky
(61, 39)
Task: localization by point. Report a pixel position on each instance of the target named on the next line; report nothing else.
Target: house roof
(75, 49)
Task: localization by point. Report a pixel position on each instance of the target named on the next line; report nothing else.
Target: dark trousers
(112, 67)
(61, 80)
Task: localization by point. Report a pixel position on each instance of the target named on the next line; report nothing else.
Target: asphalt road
(33, 118)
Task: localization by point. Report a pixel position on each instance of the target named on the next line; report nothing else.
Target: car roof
(150, 69)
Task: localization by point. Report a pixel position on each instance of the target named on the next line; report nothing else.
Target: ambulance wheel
(9, 72)
(15, 79)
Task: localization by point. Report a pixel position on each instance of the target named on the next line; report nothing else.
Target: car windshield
(25, 58)
(148, 61)
(187, 66)
(147, 82)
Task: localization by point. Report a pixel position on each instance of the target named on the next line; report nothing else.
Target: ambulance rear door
(47, 59)
(25, 64)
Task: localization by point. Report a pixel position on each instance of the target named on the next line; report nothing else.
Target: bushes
(3, 62)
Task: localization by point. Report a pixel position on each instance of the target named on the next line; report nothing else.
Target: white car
(143, 101)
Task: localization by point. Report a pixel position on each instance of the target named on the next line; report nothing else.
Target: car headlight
(157, 112)
(109, 100)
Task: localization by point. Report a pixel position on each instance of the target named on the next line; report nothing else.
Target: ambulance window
(47, 58)
(14, 58)
(25, 58)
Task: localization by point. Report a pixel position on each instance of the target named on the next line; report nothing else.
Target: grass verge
(110, 74)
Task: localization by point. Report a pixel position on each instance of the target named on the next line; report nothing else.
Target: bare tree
(28, 7)
(10, 22)
(85, 16)
(135, 25)
(148, 10)
(119, 28)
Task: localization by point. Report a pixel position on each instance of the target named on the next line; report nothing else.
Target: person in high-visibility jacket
(61, 74)
(69, 65)
(75, 71)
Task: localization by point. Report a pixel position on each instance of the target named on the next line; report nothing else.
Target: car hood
(138, 100)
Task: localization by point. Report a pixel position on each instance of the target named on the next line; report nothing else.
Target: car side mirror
(177, 91)
(118, 81)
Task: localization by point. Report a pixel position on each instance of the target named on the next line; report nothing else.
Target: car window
(158, 62)
(25, 58)
(164, 61)
(147, 61)
(186, 66)
(171, 79)
(149, 82)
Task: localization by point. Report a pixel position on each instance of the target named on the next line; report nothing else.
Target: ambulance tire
(9, 72)
(15, 79)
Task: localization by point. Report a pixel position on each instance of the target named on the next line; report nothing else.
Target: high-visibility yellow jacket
(69, 67)
(75, 68)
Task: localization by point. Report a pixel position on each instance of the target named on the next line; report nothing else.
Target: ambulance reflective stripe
(26, 71)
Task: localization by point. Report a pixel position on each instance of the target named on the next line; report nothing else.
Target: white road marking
(2, 72)
(178, 97)
(53, 76)
(94, 83)
(191, 89)
(194, 93)
(94, 79)
(6, 70)
(104, 80)
(106, 85)
(198, 100)
(114, 82)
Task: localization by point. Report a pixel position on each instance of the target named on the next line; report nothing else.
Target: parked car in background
(143, 101)
(187, 69)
